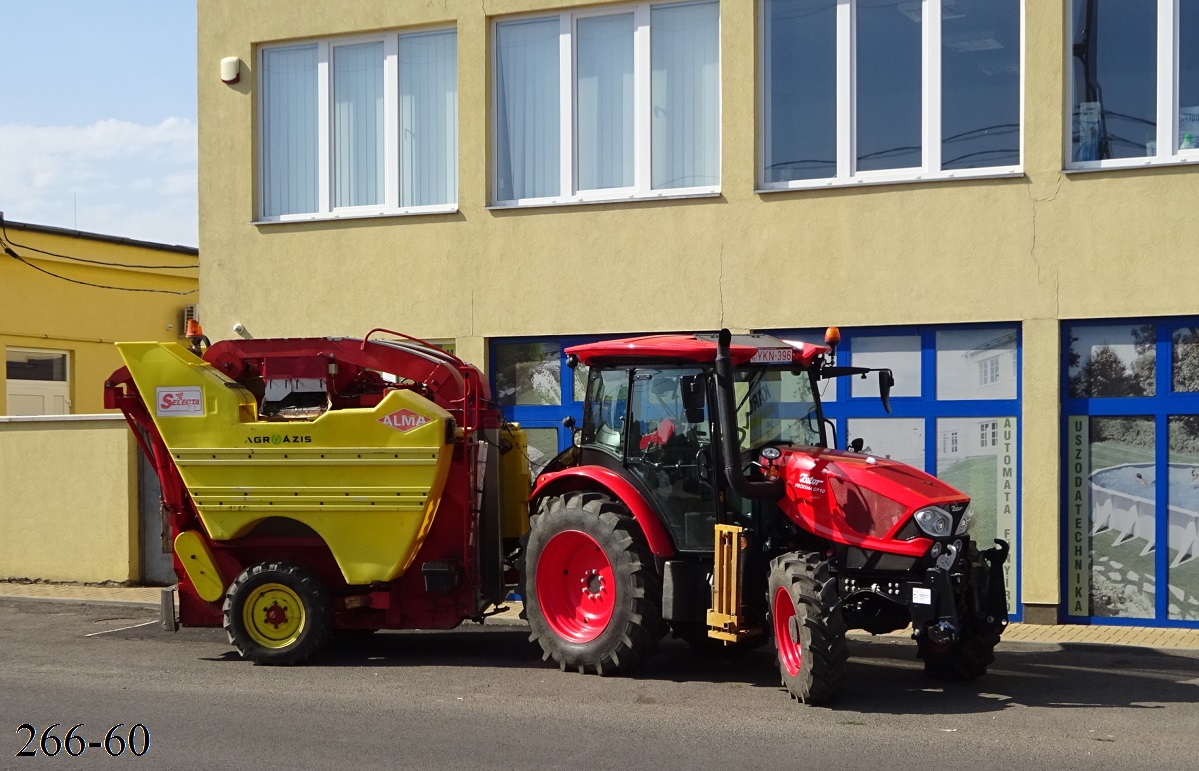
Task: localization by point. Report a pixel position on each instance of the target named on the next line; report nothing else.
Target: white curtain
(604, 101)
(428, 119)
(358, 125)
(289, 131)
(685, 91)
(527, 109)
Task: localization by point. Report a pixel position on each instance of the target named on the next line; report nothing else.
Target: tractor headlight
(934, 521)
(964, 525)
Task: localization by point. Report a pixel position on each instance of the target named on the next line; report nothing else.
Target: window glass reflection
(1109, 361)
(1123, 522)
(528, 373)
(899, 354)
(980, 84)
(976, 364)
(1188, 74)
(1184, 517)
(1115, 79)
(1186, 359)
(801, 89)
(900, 439)
(889, 71)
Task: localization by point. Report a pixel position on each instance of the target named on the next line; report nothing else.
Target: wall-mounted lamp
(230, 70)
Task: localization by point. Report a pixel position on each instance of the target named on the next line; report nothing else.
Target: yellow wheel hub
(273, 616)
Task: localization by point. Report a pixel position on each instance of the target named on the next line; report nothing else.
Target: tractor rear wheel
(592, 597)
(809, 631)
(966, 659)
(278, 613)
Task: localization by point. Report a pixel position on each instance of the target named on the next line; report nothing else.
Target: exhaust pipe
(729, 446)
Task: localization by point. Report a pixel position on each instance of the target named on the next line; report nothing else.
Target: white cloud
(113, 177)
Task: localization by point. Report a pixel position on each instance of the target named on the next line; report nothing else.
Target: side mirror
(857, 444)
(568, 421)
(885, 381)
(693, 397)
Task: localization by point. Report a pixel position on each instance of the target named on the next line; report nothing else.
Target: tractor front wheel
(809, 631)
(278, 613)
(592, 597)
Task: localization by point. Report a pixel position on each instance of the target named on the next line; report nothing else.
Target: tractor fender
(583, 477)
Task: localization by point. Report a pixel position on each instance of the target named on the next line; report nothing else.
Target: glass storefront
(1132, 471)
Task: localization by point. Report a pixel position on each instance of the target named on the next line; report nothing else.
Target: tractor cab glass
(656, 421)
(670, 450)
(607, 403)
(775, 406)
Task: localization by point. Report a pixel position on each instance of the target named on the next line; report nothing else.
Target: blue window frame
(1130, 428)
(954, 384)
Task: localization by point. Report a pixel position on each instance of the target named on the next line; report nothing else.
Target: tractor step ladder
(724, 618)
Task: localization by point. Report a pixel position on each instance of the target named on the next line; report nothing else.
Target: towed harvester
(323, 484)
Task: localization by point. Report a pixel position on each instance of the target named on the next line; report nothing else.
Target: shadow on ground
(883, 676)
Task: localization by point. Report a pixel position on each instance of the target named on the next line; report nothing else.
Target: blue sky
(98, 116)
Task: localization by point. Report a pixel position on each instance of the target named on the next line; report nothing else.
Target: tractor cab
(652, 415)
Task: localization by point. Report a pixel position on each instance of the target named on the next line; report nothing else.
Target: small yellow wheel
(273, 615)
(278, 613)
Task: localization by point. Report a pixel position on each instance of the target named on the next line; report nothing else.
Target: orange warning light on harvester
(832, 336)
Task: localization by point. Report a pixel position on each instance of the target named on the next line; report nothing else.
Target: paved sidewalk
(1146, 637)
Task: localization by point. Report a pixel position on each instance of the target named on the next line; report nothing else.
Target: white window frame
(568, 109)
(46, 351)
(1168, 153)
(988, 371)
(391, 132)
(43, 384)
(847, 173)
(988, 435)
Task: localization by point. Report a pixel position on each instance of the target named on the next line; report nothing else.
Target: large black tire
(598, 531)
(278, 614)
(809, 630)
(966, 659)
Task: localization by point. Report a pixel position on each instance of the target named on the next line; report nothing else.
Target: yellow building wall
(1035, 250)
(68, 499)
(43, 312)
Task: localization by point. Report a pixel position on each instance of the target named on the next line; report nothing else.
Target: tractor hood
(862, 500)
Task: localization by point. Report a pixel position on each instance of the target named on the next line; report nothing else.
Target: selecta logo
(184, 400)
(404, 420)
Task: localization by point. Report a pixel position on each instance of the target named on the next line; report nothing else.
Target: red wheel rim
(786, 632)
(575, 586)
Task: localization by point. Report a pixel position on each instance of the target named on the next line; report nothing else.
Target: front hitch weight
(990, 593)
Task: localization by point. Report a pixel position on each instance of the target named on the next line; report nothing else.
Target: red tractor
(322, 485)
(702, 495)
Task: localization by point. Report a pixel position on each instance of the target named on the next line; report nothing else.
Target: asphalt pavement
(481, 697)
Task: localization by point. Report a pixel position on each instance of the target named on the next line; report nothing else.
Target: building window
(608, 104)
(937, 405)
(988, 434)
(1131, 399)
(38, 382)
(1134, 82)
(363, 126)
(889, 90)
(988, 371)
